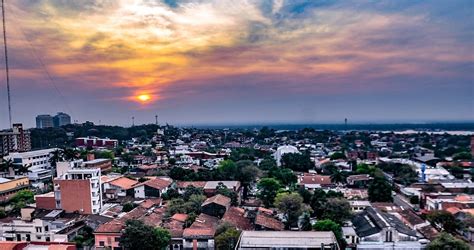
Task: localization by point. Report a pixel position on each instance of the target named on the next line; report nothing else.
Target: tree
(380, 190)
(267, 164)
(227, 239)
(462, 156)
(127, 207)
(306, 223)
(297, 161)
(138, 235)
(228, 169)
(329, 225)
(285, 176)
(444, 220)
(55, 156)
(223, 190)
(337, 155)
(305, 194)
(247, 173)
(191, 190)
(318, 200)
(291, 205)
(414, 200)
(447, 241)
(267, 190)
(336, 209)
(338, 176)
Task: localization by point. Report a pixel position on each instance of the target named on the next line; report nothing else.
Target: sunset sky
(229, 61)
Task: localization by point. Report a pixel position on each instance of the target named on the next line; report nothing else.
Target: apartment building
(79, 190)
(15, 140)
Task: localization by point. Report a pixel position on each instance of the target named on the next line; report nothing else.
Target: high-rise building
(44, 121)
(79, 190)
(61, 119)
(15, 140)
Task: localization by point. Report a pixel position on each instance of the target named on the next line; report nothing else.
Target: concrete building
(61, 119)
(44, 121)
(9, 187)
(33, 159)
(79, 190)
(287, 240)
(105, 165)
(95, 142)
(381, 230)
(15, 140)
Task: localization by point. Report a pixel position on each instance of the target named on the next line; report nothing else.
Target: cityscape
(266, 124)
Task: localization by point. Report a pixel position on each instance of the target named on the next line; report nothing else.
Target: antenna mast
(6, 64)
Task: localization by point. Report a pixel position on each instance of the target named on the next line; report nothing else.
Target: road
(401, 202)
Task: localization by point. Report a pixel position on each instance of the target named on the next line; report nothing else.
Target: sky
(242, 61)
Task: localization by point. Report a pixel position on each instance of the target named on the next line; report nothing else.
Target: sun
(144, 98)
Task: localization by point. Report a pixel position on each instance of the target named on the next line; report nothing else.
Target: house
(359, 206)
(121, 186)
(182, 185)
(152, 188)
(211, 187)
(267, 223)
(359, 180)
(216, 205)
(380, 230)
(105, 165)
(107, 235)
(236, 216)
(9, 187)
(200, 235)
(287, 240)
(313, 181)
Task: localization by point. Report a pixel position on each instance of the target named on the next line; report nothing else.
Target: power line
(43, 65)
(6, 64)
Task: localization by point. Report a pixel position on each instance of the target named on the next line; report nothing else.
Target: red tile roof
(113, 226)
(157, 183)
(184, 184)
(316, 179)
(203, 227)
(236, 217)
(149, 203)
(269, 222)
(180, 217)
(217, 199)
(123, 182)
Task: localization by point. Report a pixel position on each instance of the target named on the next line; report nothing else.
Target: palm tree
(6, 165)
(55, 156)
(338, 176)
(70, 154)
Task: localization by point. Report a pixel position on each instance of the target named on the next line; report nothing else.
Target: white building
(284, 150)
(33, 159)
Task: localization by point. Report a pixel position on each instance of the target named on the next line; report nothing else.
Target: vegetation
(227, 239)
(447, 241)
(380, 190)
(268, 189)
(444, 220)
(329, 225)
(292, 206)
(297, 161)
(138, 235)
(402, 173)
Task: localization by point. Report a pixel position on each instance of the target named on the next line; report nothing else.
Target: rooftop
(286, 239)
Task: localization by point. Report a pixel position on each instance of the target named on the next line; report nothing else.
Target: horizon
(213, 62)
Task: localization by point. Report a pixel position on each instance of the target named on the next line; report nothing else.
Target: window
(38, 229)
(48, 239)
(101, 243)
(38, 237)
(117, 239)
(28, 237)
(46, 228)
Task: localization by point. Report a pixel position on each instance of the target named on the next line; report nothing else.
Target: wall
(75, 195)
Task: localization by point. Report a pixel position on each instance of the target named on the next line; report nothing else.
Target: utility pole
(156, 119)
(133, 121)
(6, 64)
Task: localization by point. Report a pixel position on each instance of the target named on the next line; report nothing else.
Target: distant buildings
(284, 150)
(48, 121)
(95, 142)
(15, 140)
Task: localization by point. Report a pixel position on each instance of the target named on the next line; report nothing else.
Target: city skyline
(234, 62)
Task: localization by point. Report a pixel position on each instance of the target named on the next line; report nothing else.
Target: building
(105, 165)
(284, 150)
(34, 159)
(37, 163)
(200, 235)
(16, 140)
(61, 119)
(39, 225)
(9, 187)
(119, 187)
(152, 188)
(79, 190)
(472, 146)
(382, 230)
(44, 121)
(287, 240)
(95, 142)
(312, 181)
(216, 205)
